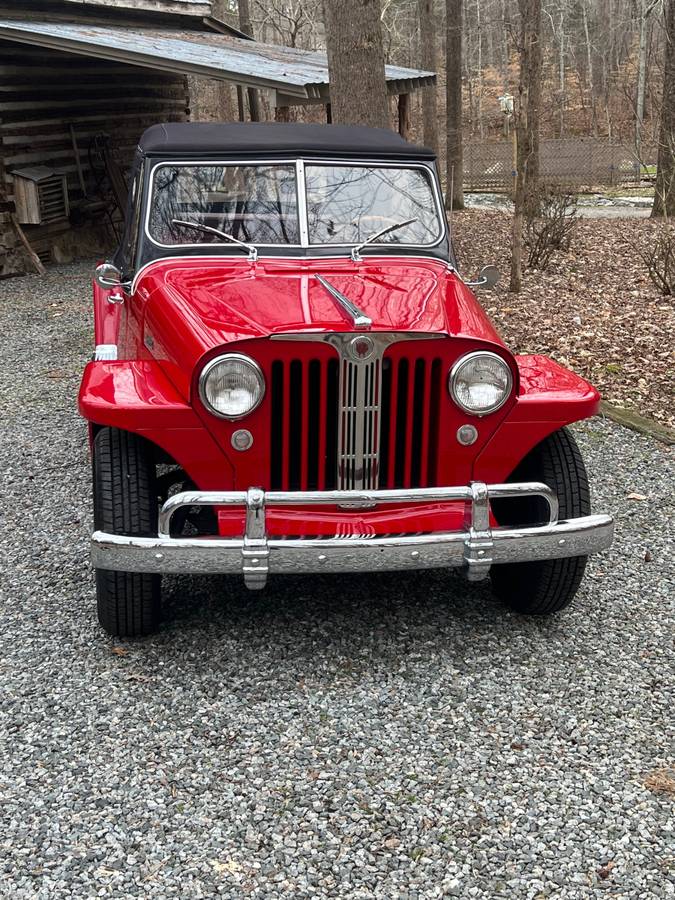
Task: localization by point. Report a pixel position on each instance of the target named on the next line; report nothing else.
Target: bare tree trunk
(589, 65)
(479, 67)
(517, 233)
(428, 62)
(561, 73)
(642, 78)
(664, 194)
(527, 109)
(454, 195)
(504, 61)
(246, 26)
(529, 90)
(358, 88)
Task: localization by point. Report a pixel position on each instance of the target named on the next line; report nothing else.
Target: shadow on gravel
(357, 617)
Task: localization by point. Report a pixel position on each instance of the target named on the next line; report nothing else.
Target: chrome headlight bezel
(456, 370)
(219, 360)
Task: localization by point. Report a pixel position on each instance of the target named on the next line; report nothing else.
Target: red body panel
(184, 311)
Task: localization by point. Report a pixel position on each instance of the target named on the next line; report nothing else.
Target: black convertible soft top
(272, 138)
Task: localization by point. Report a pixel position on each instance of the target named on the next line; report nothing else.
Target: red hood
(196, 305)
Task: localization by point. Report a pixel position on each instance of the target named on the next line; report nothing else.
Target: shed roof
(297, 75)
(182, 7)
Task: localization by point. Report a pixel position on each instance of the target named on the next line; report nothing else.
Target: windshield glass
(346, 204)
(349, 204)
(256, 204)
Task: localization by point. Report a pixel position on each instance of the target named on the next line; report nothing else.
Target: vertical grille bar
(295, 424)
(433, 421)
(315, 421)
(277, 427)
(402, 415)
(332, 425)
(321, 426)
(393, 423)
(306, 425)
(285, 449)
(410, 423)
(423, 426)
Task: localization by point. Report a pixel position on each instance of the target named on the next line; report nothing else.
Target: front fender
(549, 398)
(136, 396)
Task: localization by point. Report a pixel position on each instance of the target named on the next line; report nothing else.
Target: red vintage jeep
(291, 376)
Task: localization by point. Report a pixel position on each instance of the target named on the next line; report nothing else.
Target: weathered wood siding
(43, 92)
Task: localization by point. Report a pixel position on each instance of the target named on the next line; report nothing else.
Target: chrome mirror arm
(109, 277)
(479, 283)
(487, 277)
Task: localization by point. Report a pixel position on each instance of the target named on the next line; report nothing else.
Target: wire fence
(578, 162)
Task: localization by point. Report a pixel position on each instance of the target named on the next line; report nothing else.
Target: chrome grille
(346, 423)
(359, 436)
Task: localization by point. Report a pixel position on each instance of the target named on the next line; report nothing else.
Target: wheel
(125, 502)
(546, 586)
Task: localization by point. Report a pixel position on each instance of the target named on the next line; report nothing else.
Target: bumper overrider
(476, 547)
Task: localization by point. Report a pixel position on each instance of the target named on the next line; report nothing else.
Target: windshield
(255, 204)
(349, 204)
(342, 204)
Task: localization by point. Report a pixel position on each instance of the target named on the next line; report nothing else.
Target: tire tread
(125, 503)
(547, 586)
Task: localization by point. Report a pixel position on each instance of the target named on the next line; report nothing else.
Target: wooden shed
(81, 79)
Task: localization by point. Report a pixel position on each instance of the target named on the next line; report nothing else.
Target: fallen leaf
(230, 865)
(634, 496)
(661, 781)
(517, 746)
(648, 556)
(606, 870)
(119, 651)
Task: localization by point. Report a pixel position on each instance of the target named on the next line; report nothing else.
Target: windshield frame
(299, 163)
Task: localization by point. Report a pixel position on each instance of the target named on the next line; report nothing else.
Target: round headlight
(480, 383)
(231, 386)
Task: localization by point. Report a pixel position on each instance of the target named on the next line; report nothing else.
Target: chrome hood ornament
(359, 319)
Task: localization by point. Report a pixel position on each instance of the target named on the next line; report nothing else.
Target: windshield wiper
(356, 251)
(250, 249)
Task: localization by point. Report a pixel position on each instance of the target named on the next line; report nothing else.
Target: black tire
(541, 588)
(125, 502)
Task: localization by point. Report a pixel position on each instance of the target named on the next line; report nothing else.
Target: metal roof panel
(300, 74)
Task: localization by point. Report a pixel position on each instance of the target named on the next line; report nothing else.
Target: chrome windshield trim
(301, 188)
(359, 319)
(301, 197)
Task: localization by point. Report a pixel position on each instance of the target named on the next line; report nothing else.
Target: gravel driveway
(399, 736)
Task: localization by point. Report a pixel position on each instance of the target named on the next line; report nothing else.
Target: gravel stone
(366, 736)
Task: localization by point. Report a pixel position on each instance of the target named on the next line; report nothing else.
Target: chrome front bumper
(255, 555)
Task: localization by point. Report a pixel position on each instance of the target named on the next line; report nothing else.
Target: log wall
(44, 92)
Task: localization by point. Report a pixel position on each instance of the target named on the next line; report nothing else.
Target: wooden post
(282, 114)
(240, 103)
(404, 115)
(329, 114)
(253, 105)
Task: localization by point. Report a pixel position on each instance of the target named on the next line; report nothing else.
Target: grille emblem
(361, 348)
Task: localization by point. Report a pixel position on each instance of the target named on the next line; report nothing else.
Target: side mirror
(109, 276)
(487, 278)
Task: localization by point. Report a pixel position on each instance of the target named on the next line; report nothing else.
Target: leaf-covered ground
(595, 310)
